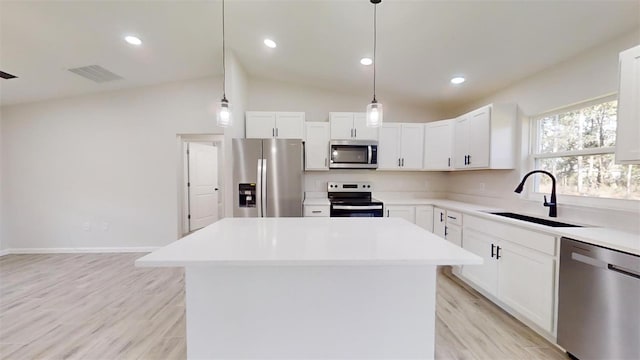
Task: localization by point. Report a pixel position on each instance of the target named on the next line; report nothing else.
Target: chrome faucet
(553, 205)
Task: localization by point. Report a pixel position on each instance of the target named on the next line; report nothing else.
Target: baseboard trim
(88, 250)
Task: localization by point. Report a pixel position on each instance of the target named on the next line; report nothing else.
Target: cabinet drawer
(545, 243)
(316, 211)
(454, 217)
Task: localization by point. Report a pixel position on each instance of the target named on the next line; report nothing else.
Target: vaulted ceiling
(421, 44)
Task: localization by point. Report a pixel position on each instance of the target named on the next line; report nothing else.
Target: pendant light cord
(224, 68)
(375, 31)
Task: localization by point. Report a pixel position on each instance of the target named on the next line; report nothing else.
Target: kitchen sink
(534, 219)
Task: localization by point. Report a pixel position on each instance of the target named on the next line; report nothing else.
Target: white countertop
(601, 236)
(308, 242)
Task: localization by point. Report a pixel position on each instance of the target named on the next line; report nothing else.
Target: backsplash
(402, 181)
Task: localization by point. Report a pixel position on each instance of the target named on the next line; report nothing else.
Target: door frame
(182, 174)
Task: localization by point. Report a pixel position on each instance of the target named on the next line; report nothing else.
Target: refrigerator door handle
(259, 188)
(263, 202)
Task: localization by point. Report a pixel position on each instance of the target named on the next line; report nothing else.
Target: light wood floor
(99, 306)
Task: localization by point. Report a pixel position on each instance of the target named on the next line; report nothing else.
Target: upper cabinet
(269, 124)
(400, 146)
(628, 132)
(438, 145)
(316, 147)
(485, 138)
(351, 126)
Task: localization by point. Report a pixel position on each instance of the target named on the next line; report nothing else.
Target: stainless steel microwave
(353, 154)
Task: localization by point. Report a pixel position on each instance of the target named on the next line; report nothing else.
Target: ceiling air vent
(96, 73)
(7, 76)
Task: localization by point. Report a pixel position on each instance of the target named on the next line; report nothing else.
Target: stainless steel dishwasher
(598, 302)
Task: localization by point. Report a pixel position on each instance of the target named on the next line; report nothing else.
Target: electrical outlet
(86, 226)
(105, 226)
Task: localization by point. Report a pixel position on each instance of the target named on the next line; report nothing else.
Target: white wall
(589, 75)
(3, 243)
(108, 160)
(265, 95)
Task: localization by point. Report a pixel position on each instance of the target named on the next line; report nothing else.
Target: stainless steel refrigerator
(267, 178)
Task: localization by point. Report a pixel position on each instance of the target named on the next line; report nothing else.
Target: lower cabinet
(401, 211)
(424, 217)
(316, 210)
(447, 224)
(519, 268)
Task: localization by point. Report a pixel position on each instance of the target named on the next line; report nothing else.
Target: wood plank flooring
(99, 306)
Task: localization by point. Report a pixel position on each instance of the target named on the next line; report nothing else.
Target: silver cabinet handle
(451, 217)
(316, 211)
(277, 132)
(351, 132)
(325, 162)
(355, 132)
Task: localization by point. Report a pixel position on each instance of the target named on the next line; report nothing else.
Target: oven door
(356, 210)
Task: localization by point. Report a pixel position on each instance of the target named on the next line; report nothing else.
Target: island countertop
(307, 242)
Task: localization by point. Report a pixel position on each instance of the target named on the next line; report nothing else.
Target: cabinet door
(424, 217)
(439, 221)
(485, 275)
(361, 130)
(628, 131)
(453, 233)
(479, 138)
(260, 124)
(461, 143)
(526, 282)
(389, 147)
(438, 143)
(316, 146)
(341, 125)
(411, 146)
(290, 125)
(401, 211)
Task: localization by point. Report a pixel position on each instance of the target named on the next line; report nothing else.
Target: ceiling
(421, 44)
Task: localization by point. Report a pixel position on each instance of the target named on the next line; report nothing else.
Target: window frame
(571, 200)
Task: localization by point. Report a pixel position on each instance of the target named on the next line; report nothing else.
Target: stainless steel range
(353, 199)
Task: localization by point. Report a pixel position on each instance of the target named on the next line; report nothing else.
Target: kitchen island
(274, 288)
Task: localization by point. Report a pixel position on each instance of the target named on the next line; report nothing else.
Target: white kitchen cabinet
(424, 217)
(525, 282)
(316, 210)
(448, 225)
(438, 145)
(400, 146)
(628, 130)
(485, 275)
(485, 138)
(351, 126)
(270, 124)
(316, 146)
(519, 268)
(401, 211)
(439, 221)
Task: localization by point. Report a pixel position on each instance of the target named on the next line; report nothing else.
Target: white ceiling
(421, 44)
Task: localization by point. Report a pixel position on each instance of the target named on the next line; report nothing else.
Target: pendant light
(224, 118)
(374, 110)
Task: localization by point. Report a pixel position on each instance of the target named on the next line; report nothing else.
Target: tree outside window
(577, 145)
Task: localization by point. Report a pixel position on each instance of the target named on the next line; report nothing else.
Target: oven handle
(352, 207)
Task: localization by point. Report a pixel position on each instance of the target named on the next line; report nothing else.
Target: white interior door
(202, 184)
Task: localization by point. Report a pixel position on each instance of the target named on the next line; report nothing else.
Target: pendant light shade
(374, 110)
(224, 116)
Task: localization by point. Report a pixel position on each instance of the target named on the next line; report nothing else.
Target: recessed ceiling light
(366, 61)
(270, 43)
(457, 80)
(133, 40)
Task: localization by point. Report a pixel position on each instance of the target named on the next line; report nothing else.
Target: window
(577, 145)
